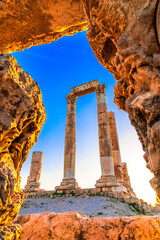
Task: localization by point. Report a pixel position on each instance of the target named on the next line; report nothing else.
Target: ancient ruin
(33, 183)
(115, 34)
(110, 159)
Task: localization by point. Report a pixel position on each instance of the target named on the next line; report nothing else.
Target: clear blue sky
(57, 67)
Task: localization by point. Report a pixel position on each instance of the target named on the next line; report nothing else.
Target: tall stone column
(105, 147)
(33, 183)
(115, 147)
(69, 181)
(126, 180)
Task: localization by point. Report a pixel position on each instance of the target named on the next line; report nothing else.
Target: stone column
(105, 147)
(69, 181)
(115, 147)
(33, 183)
(126, 180)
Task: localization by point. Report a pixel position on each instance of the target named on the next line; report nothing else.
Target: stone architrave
(115, 147)
(33, 183)
(105, 147)
(107, 180)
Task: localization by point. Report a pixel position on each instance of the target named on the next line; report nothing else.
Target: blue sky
(57, 67)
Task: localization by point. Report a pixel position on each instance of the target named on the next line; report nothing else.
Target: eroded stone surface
(22, 115)
(28, 23)
(123, 37)
(72, 225)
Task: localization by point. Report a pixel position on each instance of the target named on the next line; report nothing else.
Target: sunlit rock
(28, 23)
(22, 115)
(72, 225)
(124, 38)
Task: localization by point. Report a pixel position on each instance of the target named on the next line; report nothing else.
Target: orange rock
(73, 226)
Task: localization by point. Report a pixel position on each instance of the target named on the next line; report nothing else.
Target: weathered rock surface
(22, 115)
(72, 225)
(27, 23)
(124, 38)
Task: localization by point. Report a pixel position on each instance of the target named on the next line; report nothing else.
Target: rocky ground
(90, 206)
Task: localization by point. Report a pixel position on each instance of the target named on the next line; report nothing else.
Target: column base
(68, 184)
(107, 181)
(32, 187)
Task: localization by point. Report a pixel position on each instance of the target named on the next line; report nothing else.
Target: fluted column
(105, 147)
(33, 183)
(115, 147)
(69, 181)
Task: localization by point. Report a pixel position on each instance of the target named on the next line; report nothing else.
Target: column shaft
(70, 142)
(69, 181)
(105, 147)
(35, 172)
(115, 147)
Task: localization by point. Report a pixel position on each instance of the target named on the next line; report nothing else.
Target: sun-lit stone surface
(124, 38)
(72, 225)
(28, 23)
(22, 115)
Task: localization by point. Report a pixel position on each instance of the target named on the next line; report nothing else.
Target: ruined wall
(22, 115)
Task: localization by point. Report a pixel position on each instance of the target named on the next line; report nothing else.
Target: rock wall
(72, 225)
(22, 115)
(35, 22)
(124, 38)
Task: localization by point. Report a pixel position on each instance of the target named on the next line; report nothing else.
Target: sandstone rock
(22, 115)
(72, 225)
(28, 23)
(115, 35)
(11, 232)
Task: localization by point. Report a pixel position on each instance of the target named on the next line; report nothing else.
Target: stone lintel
(86, 88)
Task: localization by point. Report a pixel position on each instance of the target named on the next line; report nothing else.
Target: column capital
(71, 98)
(100, 88)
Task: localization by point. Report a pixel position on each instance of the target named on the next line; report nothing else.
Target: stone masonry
(33, 183)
